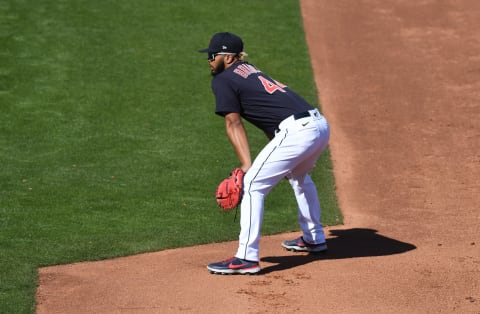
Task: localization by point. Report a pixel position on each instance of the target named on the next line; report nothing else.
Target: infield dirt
(399, 82)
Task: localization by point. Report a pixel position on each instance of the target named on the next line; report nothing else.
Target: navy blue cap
(224, 42)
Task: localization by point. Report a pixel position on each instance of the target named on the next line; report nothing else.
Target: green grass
(108, 141)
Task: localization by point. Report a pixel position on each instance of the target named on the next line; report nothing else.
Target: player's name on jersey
(245, 69)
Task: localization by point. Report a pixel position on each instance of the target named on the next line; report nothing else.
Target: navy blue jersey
(258, 98)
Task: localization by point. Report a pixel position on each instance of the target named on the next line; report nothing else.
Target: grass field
(108, 141)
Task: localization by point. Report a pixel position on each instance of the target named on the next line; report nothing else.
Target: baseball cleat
(234, 265)
(299, 245)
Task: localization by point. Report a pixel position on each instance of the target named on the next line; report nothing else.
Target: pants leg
(309, 209)
(258, 181)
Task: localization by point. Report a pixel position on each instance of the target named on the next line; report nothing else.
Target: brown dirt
(400, 83)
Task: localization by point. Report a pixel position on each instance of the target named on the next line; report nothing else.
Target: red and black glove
(230, 191)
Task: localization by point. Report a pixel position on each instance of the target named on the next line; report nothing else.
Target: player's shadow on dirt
(348, 243)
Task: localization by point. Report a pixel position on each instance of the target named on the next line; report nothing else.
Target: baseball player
(298, 134)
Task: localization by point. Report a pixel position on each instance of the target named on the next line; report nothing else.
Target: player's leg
(268, 168)
(265, 172)
(309, 209)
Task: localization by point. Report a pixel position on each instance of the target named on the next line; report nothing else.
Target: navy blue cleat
(234, 265)
(299, 245)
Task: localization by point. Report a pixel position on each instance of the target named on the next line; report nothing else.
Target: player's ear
(229, 59)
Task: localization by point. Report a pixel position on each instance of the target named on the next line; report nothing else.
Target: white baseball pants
(292, 153)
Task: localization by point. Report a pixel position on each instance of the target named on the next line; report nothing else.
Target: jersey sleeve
(226, 97)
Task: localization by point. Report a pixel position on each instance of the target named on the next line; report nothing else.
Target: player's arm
(238, 137)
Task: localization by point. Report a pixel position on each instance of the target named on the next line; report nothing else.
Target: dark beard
(219, 69)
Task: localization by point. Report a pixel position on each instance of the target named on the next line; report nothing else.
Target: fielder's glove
(230, 191)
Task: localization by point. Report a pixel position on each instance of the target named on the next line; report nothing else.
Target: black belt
(297, 116)
(301, 115)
